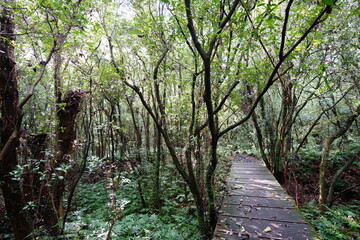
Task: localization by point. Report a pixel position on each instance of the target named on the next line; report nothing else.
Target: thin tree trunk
(260, 140)
(112, 138)
(200, 165)
(156, 196)
(338, 174)
(259, 135)
(51, 206)
(138, 140)
(101, 141)
(147, 135)
(318, 119)
(203, 226)
(89, 138)
(325, 157)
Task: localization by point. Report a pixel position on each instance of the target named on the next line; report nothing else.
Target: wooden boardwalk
(257, 207)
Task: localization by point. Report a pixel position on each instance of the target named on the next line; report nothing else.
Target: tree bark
(325, 156)
(318, 119)
(136, 165)
(65, 138)
(10, 119)
(259, 134)
(338, 174)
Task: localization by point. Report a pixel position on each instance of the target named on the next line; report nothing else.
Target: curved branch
(223, 100)
(283, 33)
(269, 83)
(192, 30)
(312, 26)
(271, 80)
(223, 24)
(318, 119)
(136, 89)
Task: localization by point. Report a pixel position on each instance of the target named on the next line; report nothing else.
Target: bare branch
(223, 24)
(192, 30)
(283, 33)
(36, 82)
(312, 26)
(223, 100)
(319, 117)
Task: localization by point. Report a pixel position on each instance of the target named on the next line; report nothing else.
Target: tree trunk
(200, 165)
(85, 154)
(259, 134)
(66, 136)
(338, 175)
(112, 137)
(34, 188)
(10, 120)
(325, 156)
(209, 184)
(49, 211)
(136, 165)
(214, 143)
(259, 137)
(156, 196)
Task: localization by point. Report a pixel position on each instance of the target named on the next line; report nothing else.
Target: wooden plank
(256, 202)
(257, 205)
(260, 201)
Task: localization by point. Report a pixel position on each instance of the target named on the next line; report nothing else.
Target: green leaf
(165, 1)
(329, 2)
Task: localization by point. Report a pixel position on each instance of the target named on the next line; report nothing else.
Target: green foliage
(91, 218)
(153, 226)
(141, 31)
(93, 200)
(312, 154)
(339, 222)
(329, 2)
(343, 149)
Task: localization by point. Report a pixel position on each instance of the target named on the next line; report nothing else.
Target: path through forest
(257, 207)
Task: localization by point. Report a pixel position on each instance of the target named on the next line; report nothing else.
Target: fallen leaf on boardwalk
(242, 229)
(247, 211)
(239, 223)
(230, 232)
(267, 229)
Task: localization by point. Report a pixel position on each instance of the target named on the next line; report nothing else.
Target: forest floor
(5, 226)
(90, 215)
(305, 188)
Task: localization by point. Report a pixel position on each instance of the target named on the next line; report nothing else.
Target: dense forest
(119, 119)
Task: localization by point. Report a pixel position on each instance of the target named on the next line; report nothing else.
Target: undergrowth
(92, 217)
(340, 222)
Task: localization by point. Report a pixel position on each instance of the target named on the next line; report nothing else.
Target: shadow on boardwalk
(257, 207)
